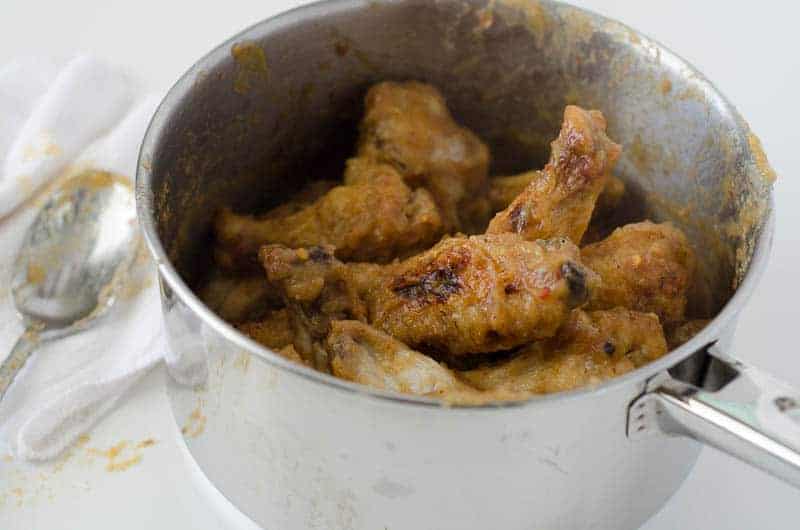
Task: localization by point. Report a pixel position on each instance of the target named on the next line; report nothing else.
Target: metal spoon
(72, 261)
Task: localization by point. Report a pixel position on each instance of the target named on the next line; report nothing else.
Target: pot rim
(168, 274)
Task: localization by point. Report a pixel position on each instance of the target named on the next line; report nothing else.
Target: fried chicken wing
(644, 266)
(362, 354)
(408, 126)
(482, 294)
(591, 347)
(559, 200)
(317, 289)
(365, 221)
(466, 295)
(226, 254)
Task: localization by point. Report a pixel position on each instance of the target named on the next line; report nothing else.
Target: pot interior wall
(278, 106)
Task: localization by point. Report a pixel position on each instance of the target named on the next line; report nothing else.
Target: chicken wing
(362, 354)
(408, 126)
(466, 295)
(365, 221)
(591, 347)
(644, 266)
(560, 200)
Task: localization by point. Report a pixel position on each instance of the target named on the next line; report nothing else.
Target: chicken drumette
(362, 354)
(645, 267)
(591, 347)
(559, 201)
(466, 295)
(374, 217)
(408, 126)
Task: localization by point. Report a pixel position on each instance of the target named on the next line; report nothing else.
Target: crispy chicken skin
(465, 295)
(644, 266)
(590, 348)
(503, 190)
(362, 354)
(481, 294)
(408, 126)
(560, 201)
(371, 220)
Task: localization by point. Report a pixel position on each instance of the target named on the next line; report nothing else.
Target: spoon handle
(20, 353)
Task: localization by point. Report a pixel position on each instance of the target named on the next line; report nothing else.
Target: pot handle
(734, 407)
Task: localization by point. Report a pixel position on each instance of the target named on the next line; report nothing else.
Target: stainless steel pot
(293, 448)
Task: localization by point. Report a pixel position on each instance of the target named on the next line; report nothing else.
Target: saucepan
(278, 104)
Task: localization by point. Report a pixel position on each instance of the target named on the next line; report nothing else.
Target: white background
(750, 50)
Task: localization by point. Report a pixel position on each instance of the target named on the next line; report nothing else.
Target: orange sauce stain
(761, 158)
(252, 62)
(146, 443)
(196, 424)
(123, 455)
(36, 273)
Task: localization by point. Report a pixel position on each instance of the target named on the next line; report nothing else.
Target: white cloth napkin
(60, 118)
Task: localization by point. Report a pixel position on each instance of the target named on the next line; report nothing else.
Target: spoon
(72, 261)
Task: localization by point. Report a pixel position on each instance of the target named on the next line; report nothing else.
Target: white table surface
(749, 49)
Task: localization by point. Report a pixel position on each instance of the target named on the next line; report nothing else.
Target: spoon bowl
(72, 261)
